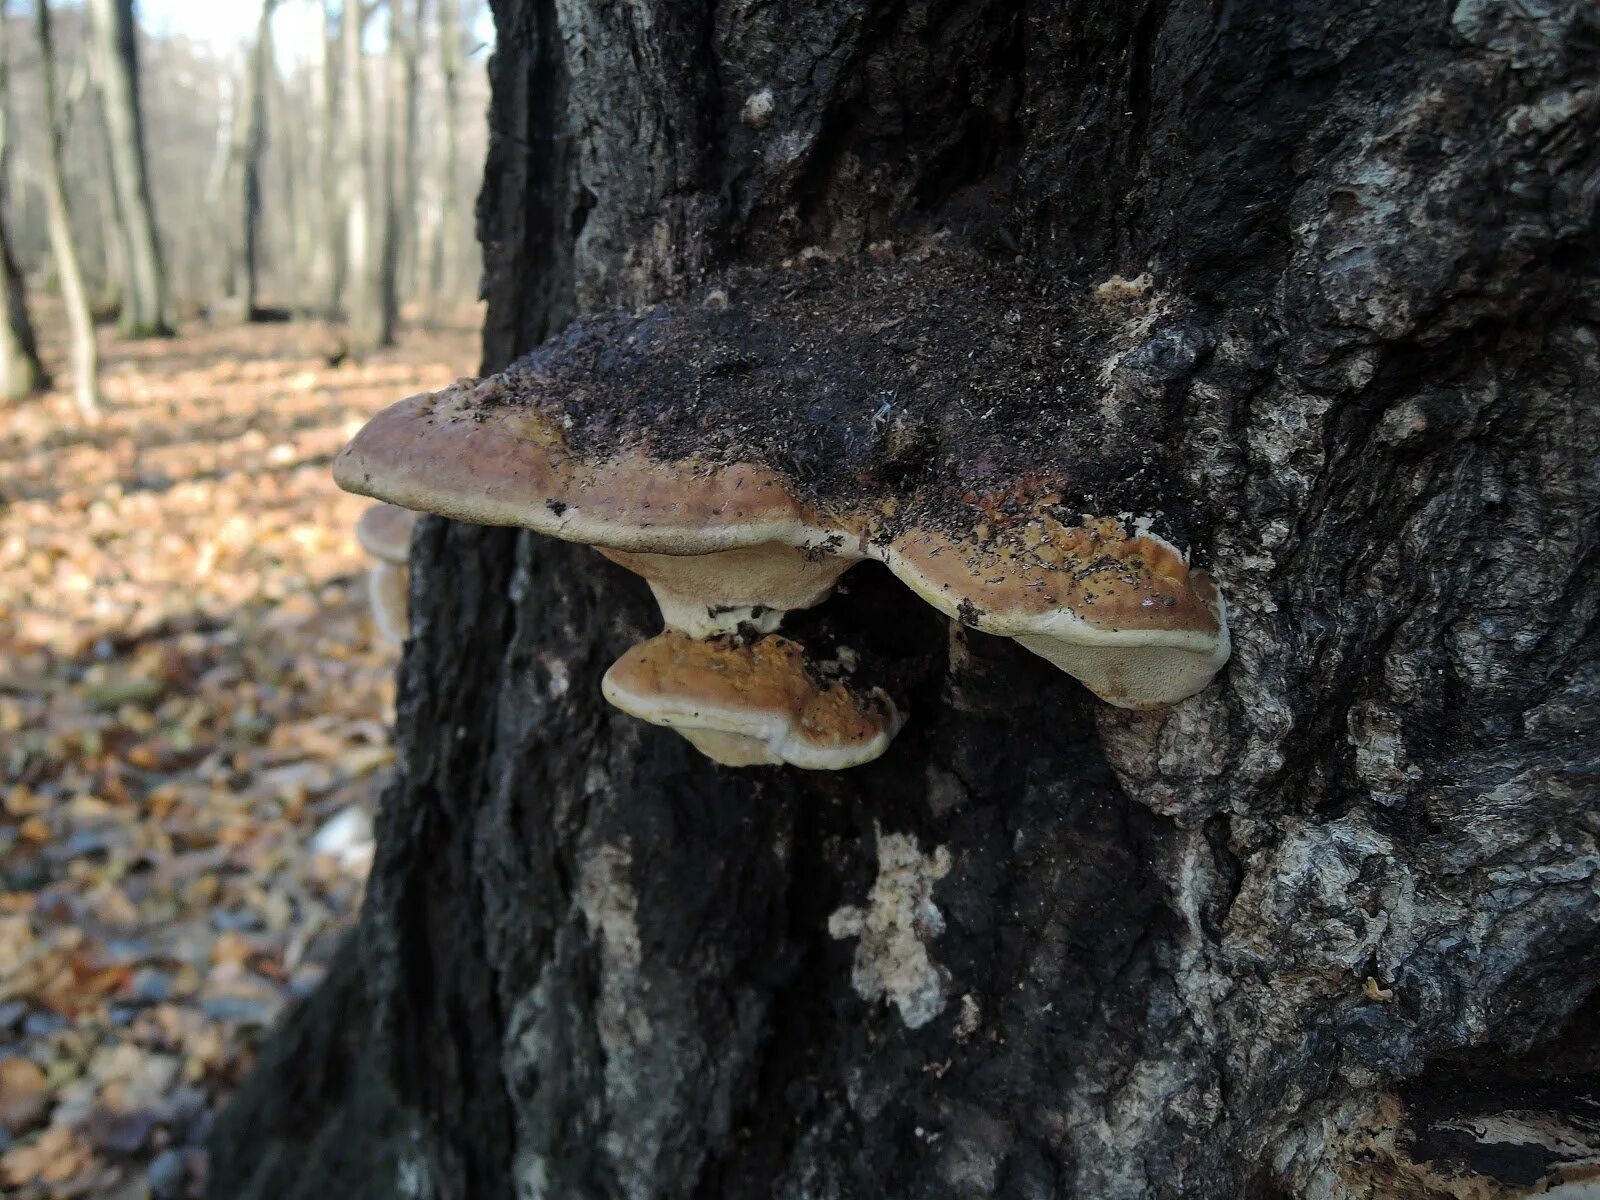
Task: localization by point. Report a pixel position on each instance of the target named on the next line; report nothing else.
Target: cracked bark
(591, 964)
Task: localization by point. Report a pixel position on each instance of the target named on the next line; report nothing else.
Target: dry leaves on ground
(193, 726)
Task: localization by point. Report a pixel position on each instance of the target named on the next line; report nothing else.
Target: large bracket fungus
(743, 452)
(719, 544)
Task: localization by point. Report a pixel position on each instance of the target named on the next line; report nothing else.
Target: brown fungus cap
(720, 544)
(384, 531)
(474, 452)
(749, 704)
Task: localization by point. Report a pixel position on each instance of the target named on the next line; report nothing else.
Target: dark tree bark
(1292, 937)
(116, 70)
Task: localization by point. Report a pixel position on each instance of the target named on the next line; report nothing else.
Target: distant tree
(400, 156)
(116, 68)
(20, 370)
(85, 353)
(328, 270)
(443, 270)
(369, 325)
(245, 155)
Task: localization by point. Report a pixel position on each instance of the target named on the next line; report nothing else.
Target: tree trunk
(248, 146)
(21, 372)
(85, 355)
(329, 268)
(1326, 929)
(400, 158)
(443, 270)
(116, 65)
(365, 310)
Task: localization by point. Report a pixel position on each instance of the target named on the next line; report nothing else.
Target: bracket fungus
(1121, 612)
(720, 545)
(384, 532)
(749, 703)
(742, 455)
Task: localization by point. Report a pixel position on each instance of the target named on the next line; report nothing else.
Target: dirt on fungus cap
(748, 704)
(1122, 612)
(384, 531)
(474, 452)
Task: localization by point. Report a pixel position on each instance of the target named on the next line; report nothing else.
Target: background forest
(222, 255)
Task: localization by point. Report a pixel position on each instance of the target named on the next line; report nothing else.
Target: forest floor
(194, 709)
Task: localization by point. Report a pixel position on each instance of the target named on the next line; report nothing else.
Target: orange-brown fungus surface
(770, 676)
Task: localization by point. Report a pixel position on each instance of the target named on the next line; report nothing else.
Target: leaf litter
(194, 708)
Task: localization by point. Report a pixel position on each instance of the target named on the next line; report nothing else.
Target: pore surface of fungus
(744, 704)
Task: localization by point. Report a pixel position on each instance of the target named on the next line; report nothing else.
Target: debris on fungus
(745, 704)
(384, 532)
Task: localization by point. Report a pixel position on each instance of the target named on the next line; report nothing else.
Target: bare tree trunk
(1316, 288)
(400, 157)
(74, 297)
(330, 271)
(116, 65)
(293, 152)
(21, 372)
(248, 144)
(112, 284)
(443, 268)
(364, 301)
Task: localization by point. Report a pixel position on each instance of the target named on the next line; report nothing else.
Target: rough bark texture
(1282, 939)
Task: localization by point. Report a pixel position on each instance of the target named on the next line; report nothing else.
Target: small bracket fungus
(384, 532)
(750, 704)
(1121, 612)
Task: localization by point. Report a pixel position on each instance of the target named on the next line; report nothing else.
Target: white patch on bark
(758, 108)
(894, 928)
(611, 907)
